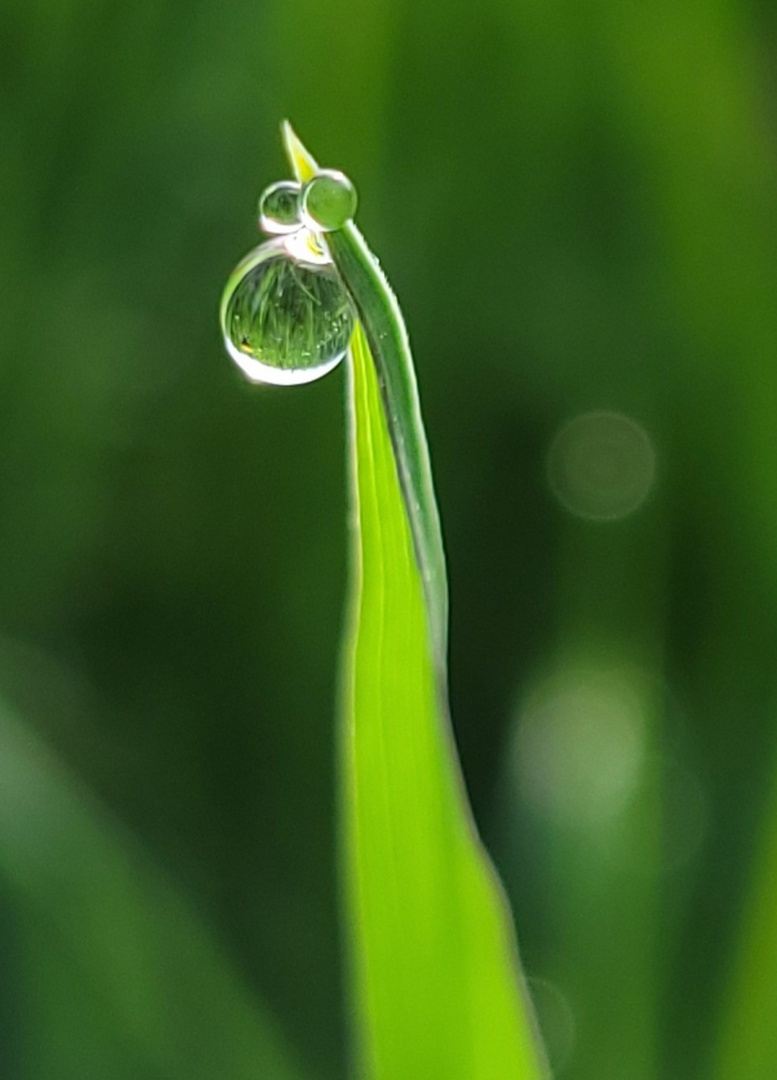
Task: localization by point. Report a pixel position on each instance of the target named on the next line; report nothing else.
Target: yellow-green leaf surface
(437, 989)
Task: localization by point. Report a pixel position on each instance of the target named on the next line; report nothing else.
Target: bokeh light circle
(602, 466)
(581, 746)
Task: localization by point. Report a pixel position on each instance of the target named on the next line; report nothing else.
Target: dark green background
(576, 203)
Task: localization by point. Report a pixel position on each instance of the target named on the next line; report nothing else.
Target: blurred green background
(576, 202)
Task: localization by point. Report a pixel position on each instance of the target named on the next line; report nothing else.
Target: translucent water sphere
(328, 201)
(279, 208)
(285, 316)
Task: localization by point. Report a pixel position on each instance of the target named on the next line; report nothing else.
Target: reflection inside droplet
(285, 316)
(581, 747)
(601, 465)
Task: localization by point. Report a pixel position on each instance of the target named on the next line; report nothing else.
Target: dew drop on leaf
(285, 316)
(328, 201)
(279, 208)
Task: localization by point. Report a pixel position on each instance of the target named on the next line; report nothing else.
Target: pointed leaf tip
(303, 164)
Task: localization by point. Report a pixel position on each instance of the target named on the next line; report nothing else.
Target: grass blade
(438, 991)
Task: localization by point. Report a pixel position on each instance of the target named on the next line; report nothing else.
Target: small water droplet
(279, 208)
(285, 316)
(328, 201)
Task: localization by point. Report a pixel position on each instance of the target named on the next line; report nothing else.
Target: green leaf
(120, 966)
(437, 986)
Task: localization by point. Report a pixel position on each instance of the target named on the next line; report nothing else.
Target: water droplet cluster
(286, 318)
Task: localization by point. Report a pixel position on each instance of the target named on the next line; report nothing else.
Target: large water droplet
(285, 316)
